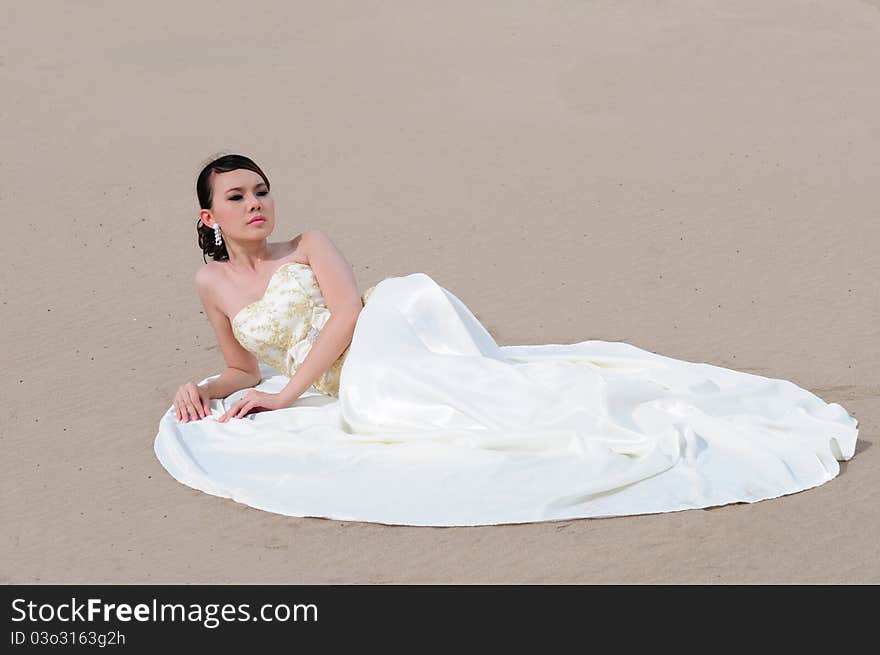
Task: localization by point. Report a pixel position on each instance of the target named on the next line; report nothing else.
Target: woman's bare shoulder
(206, 273)
(206, 280)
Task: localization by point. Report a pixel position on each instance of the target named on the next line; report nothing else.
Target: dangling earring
(217, 238)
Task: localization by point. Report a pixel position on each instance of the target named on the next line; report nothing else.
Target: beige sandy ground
(697, 178)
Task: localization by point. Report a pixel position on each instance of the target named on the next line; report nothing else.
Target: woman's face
(239, 197)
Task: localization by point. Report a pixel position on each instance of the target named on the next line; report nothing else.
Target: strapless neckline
(272, 279)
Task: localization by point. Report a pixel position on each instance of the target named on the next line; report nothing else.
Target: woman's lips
(257, 221)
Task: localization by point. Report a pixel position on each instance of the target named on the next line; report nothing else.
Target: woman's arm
(242, 369)
(332, 339)
(230, 381)
(339, 289)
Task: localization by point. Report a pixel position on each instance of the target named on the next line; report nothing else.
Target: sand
(698, 179)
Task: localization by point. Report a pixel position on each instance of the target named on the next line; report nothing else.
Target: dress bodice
(280, 328)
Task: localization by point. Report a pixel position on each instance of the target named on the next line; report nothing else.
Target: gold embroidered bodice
(280, 328)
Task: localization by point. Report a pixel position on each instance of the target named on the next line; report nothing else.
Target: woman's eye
(238, 196)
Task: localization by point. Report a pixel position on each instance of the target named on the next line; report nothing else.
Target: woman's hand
(256, 401)
(191, 402)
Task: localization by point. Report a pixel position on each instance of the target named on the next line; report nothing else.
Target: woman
(236, 204)
(399, 407)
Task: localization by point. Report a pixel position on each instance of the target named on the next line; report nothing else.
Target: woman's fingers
(231, 411)
(243, 409)
(204, 400)
(196, 402)
(189, 412)
(240, 408)
(179, 405)
(190, 404)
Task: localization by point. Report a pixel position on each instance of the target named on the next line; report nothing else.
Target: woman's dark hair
(205, 193)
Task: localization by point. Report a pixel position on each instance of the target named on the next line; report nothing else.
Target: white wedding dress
(426, 420)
